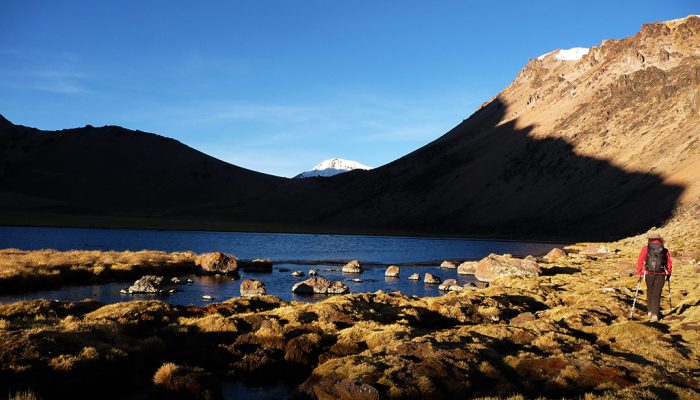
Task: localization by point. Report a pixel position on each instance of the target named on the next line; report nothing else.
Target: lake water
(288, 251)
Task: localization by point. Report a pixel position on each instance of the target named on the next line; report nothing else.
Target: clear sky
(278, 86)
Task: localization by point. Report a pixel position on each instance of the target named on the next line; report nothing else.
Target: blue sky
(278, 86)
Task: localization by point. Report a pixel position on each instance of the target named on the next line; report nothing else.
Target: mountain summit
(332, 167)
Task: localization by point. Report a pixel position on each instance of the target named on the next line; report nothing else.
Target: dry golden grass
(45, 269)
(575, 341)
(24, 395)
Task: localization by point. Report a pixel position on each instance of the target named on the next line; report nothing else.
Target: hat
(655, 236)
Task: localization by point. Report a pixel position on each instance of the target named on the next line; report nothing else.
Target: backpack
(656, 260)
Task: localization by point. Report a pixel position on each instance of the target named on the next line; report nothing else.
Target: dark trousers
(655, 286)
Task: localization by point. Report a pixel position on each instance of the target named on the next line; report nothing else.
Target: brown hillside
(606, 145)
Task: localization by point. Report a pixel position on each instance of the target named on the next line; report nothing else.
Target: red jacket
(642, 258)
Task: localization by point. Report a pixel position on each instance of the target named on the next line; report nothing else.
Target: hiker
(654, 263)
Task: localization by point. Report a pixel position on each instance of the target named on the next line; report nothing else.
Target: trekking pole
(634, 303)
(668, 278)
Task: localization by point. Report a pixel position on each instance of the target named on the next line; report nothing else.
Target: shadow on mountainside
(484, 177)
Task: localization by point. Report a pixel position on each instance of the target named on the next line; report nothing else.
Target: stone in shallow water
(448, 264)
(431, 279)
(392, 271)
(257, 265)
(217, 263)
(252, 288)
(414, 277)
(353, 267)
(320, 285)
(147, 284)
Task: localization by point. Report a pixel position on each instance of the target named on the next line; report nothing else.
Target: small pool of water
(277, 283)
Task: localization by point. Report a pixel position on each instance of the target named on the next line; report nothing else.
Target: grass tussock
(47, 269)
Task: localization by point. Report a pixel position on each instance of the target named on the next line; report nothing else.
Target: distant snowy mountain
(332, 167)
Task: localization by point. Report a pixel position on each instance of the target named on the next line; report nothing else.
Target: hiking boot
(648, 315)
(654, 318)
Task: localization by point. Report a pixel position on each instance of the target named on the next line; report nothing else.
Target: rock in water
(555, 254)
(257, 265)
(217, 263)
(392, 271)
(450, 285)
(467, 268)
(320, 285)
(297, 274)
(147, 284)
(313, 272)
(414, 277)
(252, 288)
(448, 264)
(494, 266)
(353, 267)
(431, 279)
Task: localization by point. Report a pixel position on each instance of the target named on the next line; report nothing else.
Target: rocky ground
(565, 333)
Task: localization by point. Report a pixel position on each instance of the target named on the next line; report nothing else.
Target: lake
(288, 251)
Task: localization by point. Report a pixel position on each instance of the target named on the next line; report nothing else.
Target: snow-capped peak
(331, 167)
(573, 54)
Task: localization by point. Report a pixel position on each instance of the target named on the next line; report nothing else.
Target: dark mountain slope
(112, 169)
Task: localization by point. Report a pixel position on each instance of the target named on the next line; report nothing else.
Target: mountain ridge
(605, 145)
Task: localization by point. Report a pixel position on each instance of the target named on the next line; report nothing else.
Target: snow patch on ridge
(573, 54)
(332, 167)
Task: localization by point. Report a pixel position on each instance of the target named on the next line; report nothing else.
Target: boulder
(320, 285)
(594, 249)
(353, 267)
(392, 271)
(522, 318)
(531, 258)
(450, 285)
(313, 272)
(217, 263)
(252, 288)
(494, 266)
(257, 265)
(147, 284)
(555, 254)
(448, 264)
(414, 277)
(297, 274)
(467, 268)
(431, 279)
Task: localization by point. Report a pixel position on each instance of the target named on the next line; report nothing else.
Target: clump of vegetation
(174, 381)
(48, 269)
(565, 333)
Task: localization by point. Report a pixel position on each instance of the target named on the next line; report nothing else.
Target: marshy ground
(565, 333)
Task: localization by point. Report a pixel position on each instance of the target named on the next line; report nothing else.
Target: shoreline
(565, 333)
